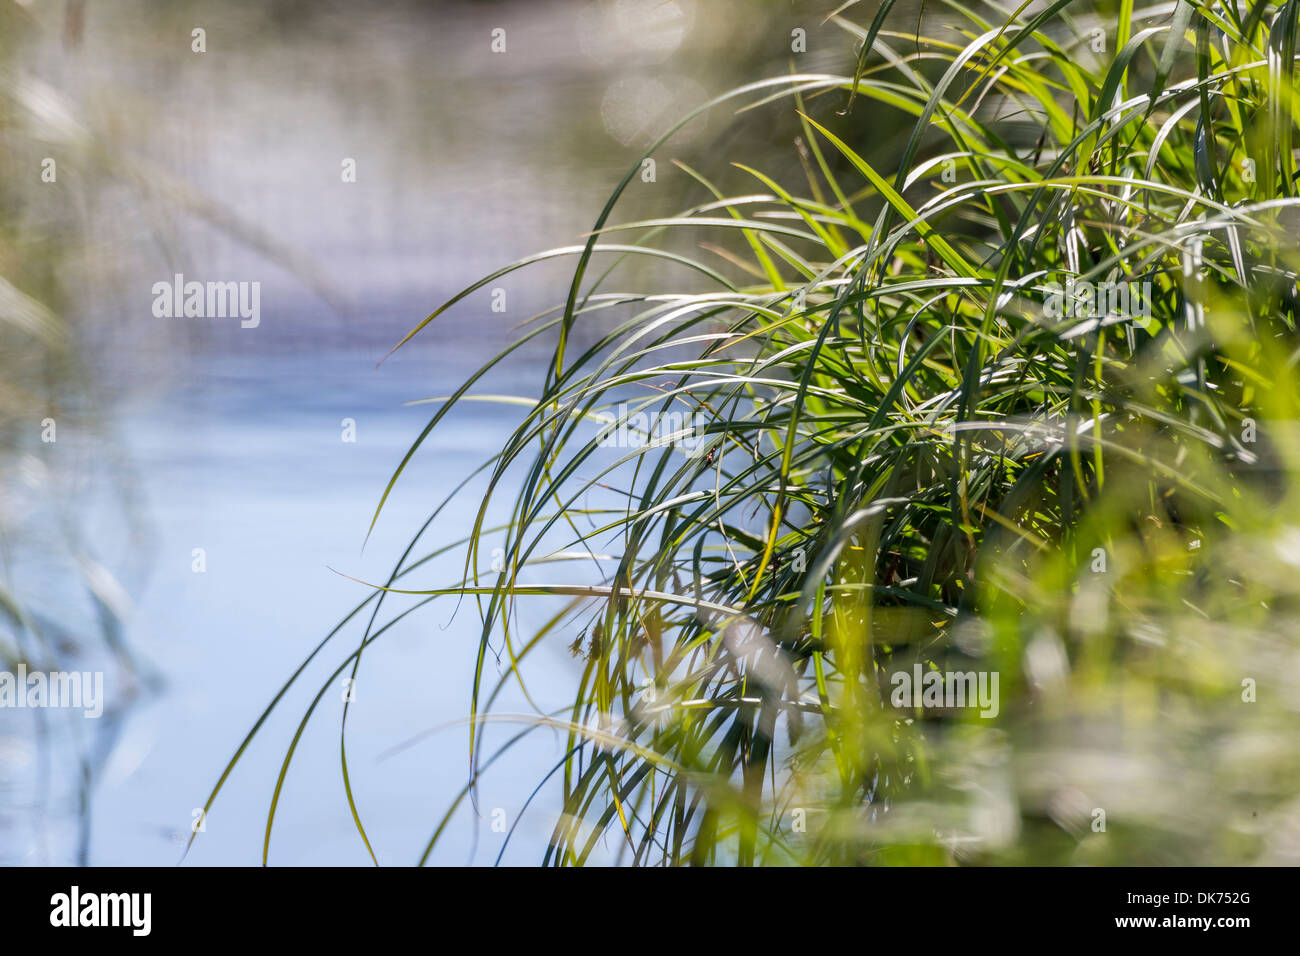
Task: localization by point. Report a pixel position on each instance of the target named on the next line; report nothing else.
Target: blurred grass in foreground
(914, 456)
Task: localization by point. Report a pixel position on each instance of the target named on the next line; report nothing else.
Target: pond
(340, 174)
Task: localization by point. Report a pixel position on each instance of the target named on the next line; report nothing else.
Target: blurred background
(185, 529)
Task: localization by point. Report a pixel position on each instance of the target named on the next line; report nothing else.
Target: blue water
(245, 459)
(229, 439)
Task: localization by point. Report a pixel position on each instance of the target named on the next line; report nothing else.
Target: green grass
(911, 460)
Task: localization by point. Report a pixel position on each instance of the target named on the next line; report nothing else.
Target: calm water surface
(229, 440)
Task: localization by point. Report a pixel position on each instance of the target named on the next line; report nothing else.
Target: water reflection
(182, 532)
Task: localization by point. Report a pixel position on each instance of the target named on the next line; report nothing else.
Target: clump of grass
(917, 454)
